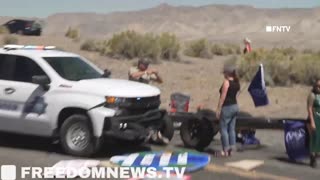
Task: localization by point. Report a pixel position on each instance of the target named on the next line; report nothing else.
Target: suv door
(8, 107)
(23, 102)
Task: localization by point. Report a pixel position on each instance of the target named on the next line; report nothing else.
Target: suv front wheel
(76, 136)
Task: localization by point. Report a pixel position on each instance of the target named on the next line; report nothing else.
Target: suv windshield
(72, 68)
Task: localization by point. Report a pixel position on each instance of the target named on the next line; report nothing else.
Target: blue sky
(43, 8)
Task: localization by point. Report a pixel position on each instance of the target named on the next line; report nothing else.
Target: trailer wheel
(216, 128)
(197, 133)
(211, 116)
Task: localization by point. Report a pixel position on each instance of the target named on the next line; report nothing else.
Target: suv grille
(137, 106)
(141, 103)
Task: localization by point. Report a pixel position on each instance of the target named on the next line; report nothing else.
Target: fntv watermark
(278, 28)
(11, 172)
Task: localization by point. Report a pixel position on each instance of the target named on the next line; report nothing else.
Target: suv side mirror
(106, 73)
(43, 81)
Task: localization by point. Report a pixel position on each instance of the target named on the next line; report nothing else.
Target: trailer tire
(211, 116)
(197, 133)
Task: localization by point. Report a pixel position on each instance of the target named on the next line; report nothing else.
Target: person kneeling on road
(142, 73)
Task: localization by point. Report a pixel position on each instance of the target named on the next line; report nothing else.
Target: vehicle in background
(24, 27)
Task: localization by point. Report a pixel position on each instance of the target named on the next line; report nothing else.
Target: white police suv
(50, 93)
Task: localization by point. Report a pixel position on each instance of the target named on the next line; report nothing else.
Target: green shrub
(90, 45)
(307, 51)
(124, 44)
(4, 30)
(198, 48)
(290, 51)
(305, 69)
(233, 49)
(130, 45)
(10, 39)
(225, 49)
(218, 50)
(276, 65)
(73, 33)
(169, 46)
(149, 47)
(282, 67)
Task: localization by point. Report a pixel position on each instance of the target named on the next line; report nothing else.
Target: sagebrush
(4, 30)
(283, 66)
(73, 33)
(198, 48)
(10, 39)
(130, 44)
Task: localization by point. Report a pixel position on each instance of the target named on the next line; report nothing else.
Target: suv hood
(116, 88)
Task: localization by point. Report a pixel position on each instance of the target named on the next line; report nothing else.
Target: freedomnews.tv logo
(278, 28)
(8, 172)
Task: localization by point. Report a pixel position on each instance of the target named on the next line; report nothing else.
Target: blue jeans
(228, 119)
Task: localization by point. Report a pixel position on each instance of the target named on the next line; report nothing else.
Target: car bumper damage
(134, 127)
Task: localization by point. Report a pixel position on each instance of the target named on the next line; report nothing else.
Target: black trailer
(199, 128)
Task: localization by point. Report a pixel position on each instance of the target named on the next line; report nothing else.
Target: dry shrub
(10, 39)
(169, 46)
(198, 48)
(283, 67)
(73, 33)
(225, 49)
(4, 30)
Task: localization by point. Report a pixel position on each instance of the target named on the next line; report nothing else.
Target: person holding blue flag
(314, 122)
(228, 109)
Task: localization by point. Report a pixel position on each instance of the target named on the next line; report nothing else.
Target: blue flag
(257, 89)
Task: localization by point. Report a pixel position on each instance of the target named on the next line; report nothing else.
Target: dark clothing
(231, 98)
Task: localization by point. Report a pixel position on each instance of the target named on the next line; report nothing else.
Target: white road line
(165, 159)
(130, 159)
(182, 159)
(147, 160)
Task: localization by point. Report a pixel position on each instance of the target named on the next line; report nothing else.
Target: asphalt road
(31, 151)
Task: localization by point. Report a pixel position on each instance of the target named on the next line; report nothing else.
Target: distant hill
(215, 22)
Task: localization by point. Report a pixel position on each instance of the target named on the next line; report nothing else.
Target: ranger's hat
(144, 61)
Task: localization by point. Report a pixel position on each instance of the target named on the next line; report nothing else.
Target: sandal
(220, 154)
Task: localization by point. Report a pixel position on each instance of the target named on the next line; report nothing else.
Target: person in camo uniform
(314, 122)
(142, 72)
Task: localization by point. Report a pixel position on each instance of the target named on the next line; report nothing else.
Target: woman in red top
(247, 44)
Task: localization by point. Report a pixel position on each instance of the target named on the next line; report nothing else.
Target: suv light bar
(28, 47)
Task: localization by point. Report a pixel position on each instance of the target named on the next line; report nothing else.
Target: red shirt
(248, 47)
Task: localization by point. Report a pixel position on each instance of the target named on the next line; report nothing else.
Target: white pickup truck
(50, 93)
